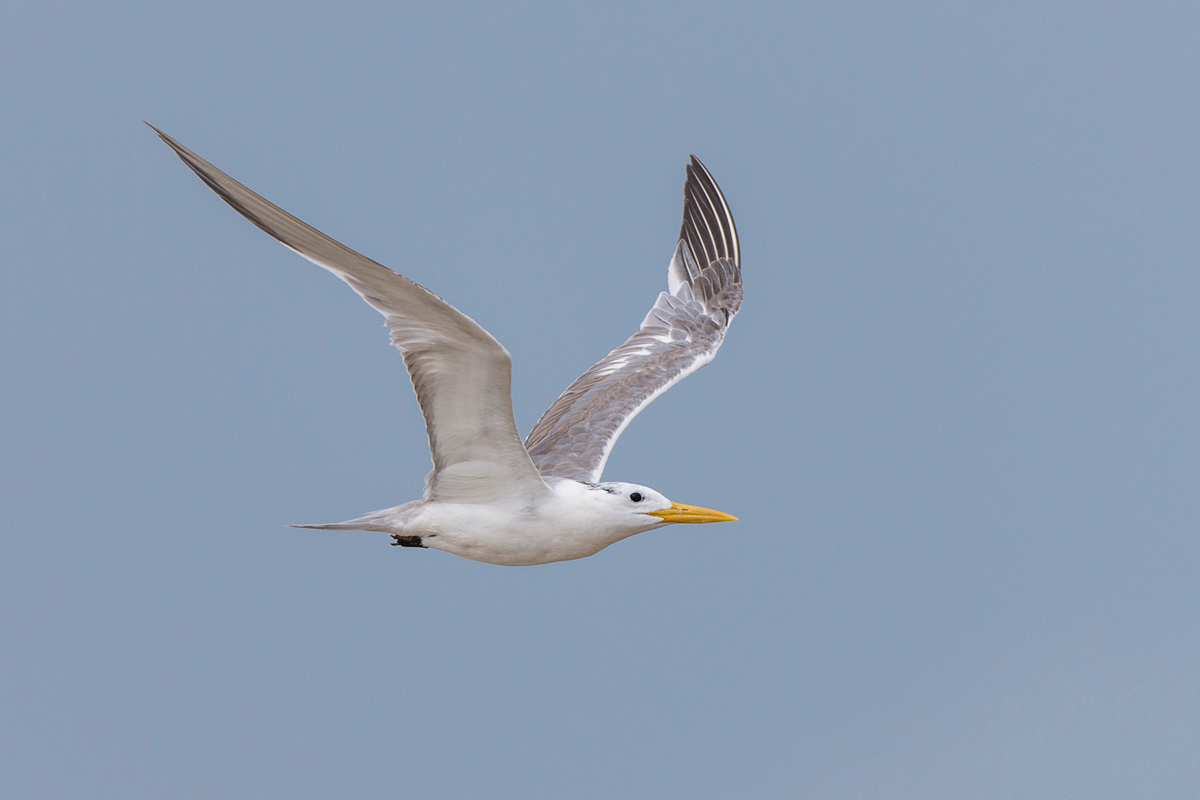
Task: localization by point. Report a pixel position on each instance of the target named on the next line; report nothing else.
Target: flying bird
(491, 497)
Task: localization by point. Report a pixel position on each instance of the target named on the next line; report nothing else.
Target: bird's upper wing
(461, 374)
(680, 334)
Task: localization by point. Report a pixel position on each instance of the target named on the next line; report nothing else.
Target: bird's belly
(514, 539)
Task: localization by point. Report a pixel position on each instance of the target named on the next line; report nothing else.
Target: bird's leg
(406, 541)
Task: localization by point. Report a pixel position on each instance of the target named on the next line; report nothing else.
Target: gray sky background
(959, 414)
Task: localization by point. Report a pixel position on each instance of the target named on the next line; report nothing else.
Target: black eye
(635, 497)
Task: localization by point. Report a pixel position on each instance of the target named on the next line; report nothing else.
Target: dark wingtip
(707, 226)
(174, 145)
(161, 135)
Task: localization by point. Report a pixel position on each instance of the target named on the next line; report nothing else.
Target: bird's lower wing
(462, 376)
(682, 333)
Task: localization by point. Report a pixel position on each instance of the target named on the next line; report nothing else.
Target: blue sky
(957, 415)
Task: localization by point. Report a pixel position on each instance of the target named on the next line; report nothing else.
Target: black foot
(407, 541)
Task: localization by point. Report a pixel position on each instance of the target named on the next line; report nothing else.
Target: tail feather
(367, 523)
(385, 520)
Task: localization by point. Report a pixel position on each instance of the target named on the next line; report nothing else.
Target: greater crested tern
(489, 497)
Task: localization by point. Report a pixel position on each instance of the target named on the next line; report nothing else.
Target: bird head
(651, 508)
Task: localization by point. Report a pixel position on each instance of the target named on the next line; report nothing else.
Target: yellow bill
(678, 512)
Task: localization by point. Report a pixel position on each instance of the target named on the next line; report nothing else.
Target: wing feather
(462, 376)
(680, 334)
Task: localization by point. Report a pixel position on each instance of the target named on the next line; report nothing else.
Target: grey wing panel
(461, 374)
(682, 333)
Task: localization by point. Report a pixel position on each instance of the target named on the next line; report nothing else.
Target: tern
(490, 497)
